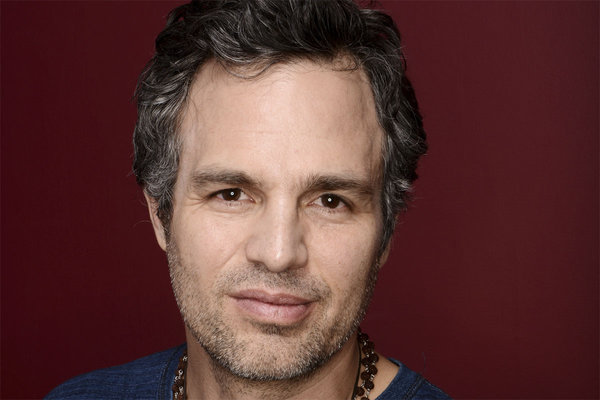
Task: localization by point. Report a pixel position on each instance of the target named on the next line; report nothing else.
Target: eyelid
(243, 195)
(343, 201)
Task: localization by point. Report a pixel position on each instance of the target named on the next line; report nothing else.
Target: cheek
(344, 258)
(205, 244)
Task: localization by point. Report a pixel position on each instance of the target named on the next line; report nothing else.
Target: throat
(216, 382)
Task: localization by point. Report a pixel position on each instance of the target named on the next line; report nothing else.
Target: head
(276, 143)
(246, 36)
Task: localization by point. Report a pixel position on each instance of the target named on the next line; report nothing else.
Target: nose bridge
(277, 240)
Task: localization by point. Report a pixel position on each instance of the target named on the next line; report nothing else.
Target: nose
(277, 239)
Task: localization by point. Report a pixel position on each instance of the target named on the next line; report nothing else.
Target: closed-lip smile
(277, 308)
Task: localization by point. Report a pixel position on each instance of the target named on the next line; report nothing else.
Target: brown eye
(231, 194)
(330, 200)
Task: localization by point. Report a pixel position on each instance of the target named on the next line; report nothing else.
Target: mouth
(272, 308)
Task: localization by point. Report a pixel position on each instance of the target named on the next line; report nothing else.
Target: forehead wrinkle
(204, 92)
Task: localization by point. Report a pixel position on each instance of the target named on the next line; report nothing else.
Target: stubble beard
(285, 353)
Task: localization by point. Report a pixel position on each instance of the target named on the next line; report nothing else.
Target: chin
(272, 352)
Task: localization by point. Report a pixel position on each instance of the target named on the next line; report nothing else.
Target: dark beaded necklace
(179, 382)
(369, 359)
(366, 357)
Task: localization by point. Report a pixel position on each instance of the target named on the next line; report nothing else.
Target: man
(276, 142)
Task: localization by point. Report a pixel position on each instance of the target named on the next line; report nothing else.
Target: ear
(385, 254)
(159, 231)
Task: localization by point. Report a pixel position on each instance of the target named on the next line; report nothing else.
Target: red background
(493, 280)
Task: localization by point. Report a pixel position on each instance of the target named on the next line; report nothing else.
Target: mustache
(257, 276)
(296, 282)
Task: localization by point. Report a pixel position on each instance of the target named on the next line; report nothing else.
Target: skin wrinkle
(363, 191)
(322, 32)
(281, 224)
(222, 371)
(212, 256)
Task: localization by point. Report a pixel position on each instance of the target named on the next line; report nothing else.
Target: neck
(206, 379)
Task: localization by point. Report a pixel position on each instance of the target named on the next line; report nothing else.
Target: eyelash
(332, 199)
(326, 199)
(234, 192)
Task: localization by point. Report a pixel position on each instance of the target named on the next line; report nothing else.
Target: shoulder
(147, 377)
(408, 384)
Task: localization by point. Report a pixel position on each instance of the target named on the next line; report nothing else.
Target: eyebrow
(311, 184)
(228, 177)
(325, 183)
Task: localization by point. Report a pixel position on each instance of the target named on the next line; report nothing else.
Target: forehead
(295, 119)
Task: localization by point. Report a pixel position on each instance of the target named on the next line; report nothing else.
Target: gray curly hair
(260, 33)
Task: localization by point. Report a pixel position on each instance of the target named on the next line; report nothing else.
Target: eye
(233, 194)
(331, 201)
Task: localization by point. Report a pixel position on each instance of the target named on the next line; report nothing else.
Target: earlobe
(159, 231)
(385, 254)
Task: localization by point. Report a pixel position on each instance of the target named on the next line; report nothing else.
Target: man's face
(276, 219)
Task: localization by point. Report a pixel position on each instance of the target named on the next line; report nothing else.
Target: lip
(274, 308)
